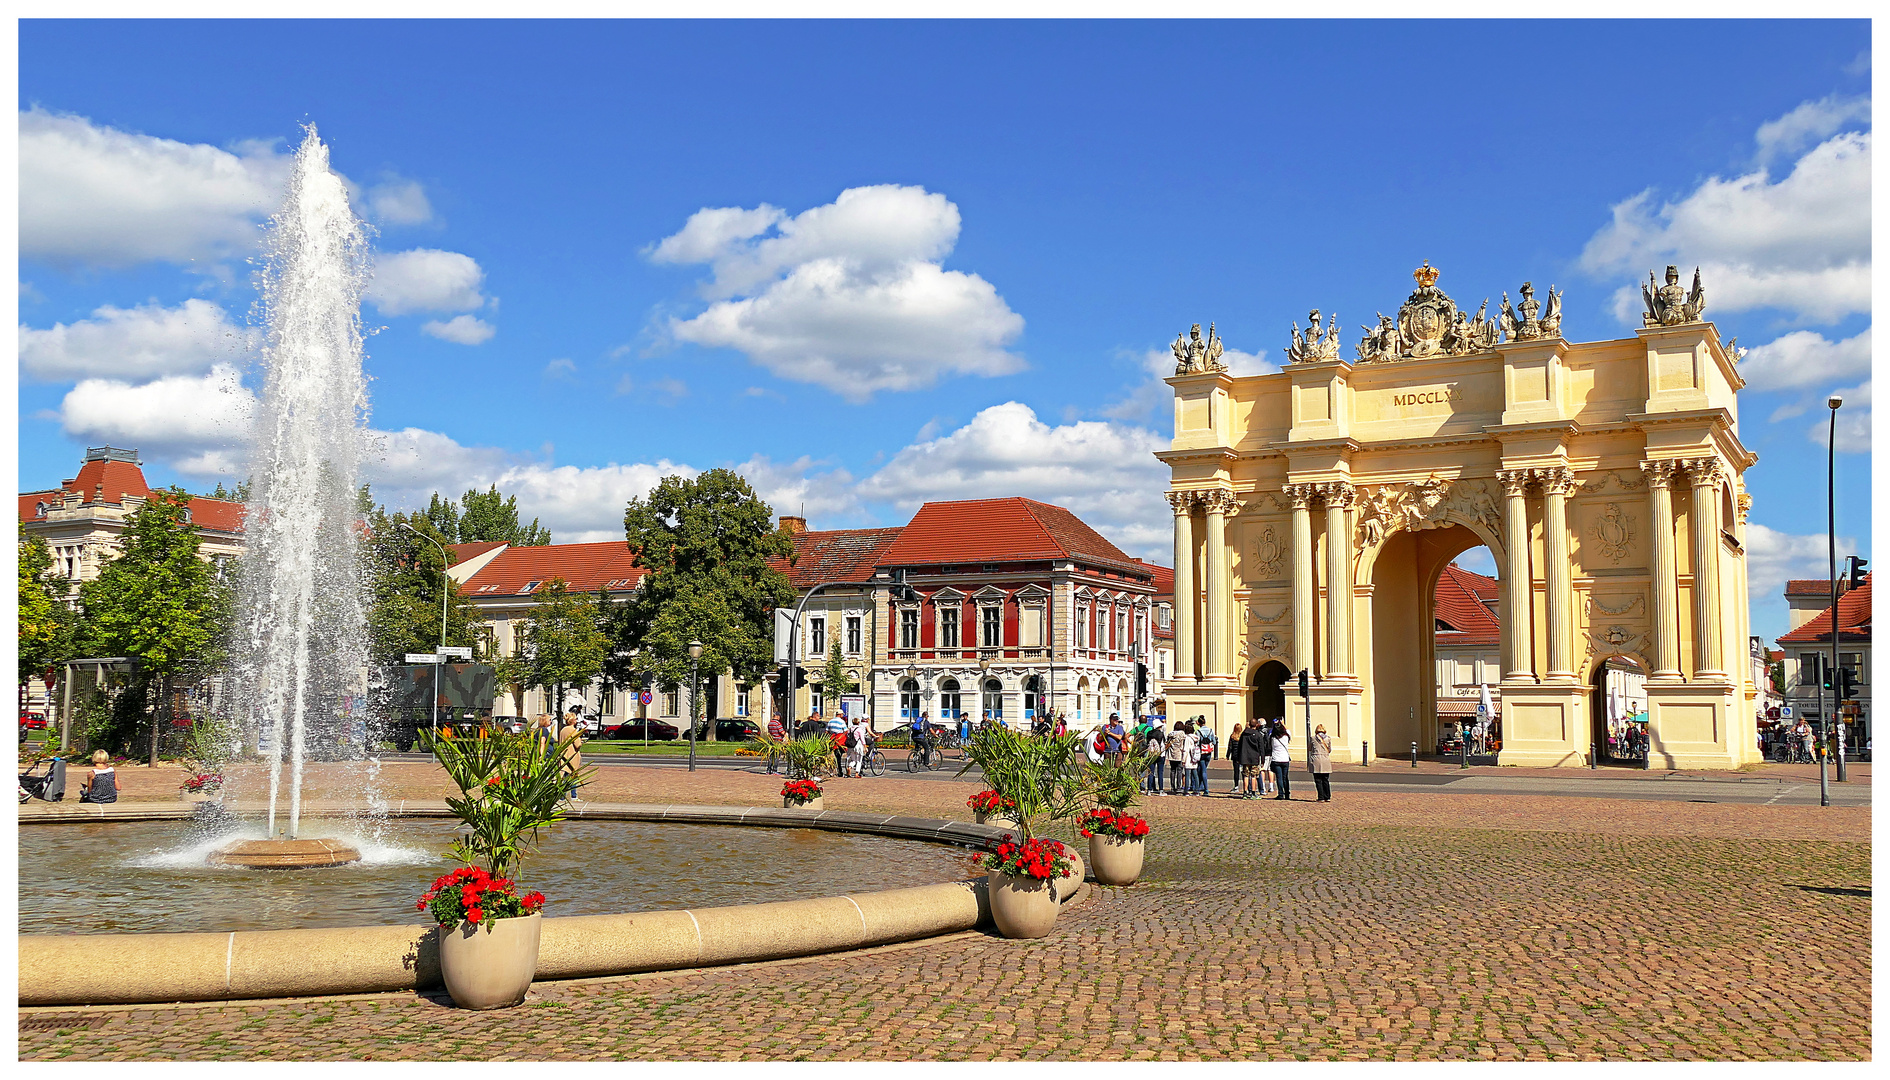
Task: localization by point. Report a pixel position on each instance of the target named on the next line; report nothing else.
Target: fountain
(303, 642)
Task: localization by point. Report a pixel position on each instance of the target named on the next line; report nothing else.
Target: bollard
(1365, 753)
(1414, 755)
(1593, 759)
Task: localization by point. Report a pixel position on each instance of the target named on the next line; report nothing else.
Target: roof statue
(1529, 320)
(1669, 304)
(1195, 354)
(1428, 324)
(1315, 345)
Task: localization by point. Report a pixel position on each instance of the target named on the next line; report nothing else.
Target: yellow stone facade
(1316, 507)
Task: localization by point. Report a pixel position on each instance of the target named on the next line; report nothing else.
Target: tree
(239, 493)
(157, 603)
(562, 647)
(443, 515)
(491, 516)
(405, 577)
(45, 621)
(836, 683)
(706, 542)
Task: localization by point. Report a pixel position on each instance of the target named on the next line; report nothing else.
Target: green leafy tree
(239, 493)
(157, 603)
(562, 647)
(706, 541)
(443, 515)
(835, 682)
(489, 515)
(405, 577)
(46, 623)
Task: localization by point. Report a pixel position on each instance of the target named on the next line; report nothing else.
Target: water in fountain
(304, 633)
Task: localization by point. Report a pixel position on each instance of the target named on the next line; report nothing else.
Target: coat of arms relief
(1613, 533)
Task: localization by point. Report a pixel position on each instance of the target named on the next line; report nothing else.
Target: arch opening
(1269, 692)
(1436, 643)
(1618, 712)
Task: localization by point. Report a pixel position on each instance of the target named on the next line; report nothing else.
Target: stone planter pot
(1066, 886)
(201, 796)
(1022, 907)
(998, 820)
(1115, 860)
(490, 966)
(812, 804)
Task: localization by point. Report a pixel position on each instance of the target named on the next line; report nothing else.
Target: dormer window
(39, 509)
(529, 586)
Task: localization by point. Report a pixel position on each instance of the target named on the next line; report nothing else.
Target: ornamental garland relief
(1426, 504)
(1612, 626)
(1268, 645)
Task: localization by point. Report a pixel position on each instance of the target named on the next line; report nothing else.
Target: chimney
(793, 526)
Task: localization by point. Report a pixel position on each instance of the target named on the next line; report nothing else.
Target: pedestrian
(104, 785)
(1282, 754)
(570, 737)
(1206, 734)
(859, 738)
(1233, 755)
(837, 739)
(1113, 739)
(1190, 755)
(1176, 752)
(1253, 759)
(1319, 763)
(1154, 744)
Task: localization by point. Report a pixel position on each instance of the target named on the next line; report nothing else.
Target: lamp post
(1830, 536)
(695, 657)
(446, 584)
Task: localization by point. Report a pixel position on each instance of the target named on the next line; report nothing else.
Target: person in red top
(775, 731)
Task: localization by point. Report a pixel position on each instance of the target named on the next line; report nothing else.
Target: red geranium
(1103, 821)
(990, 802)
(203, 782)
(800, 791)
(1040, 859)
(471, 894)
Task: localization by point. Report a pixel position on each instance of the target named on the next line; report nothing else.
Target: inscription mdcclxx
(1448, 395)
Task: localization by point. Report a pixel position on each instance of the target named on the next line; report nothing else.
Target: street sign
(1785, 711)
(644, 697)
(423, 658)
(462, 652)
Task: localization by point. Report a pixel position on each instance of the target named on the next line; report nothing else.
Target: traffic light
(1305, 682)
(900, 592)
(1847, 684)
(1141, 680)
(781, 674)
(1854, 567)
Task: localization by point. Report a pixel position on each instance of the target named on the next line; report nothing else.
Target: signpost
(435, 659)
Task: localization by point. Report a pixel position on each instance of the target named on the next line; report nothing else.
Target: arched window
(948, 706)
(1033, 697)
(994, 699)
(909, 700)
(1082, 692)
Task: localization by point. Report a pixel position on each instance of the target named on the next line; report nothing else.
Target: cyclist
(923, 737)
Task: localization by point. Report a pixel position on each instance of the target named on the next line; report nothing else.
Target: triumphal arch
(1315, 509)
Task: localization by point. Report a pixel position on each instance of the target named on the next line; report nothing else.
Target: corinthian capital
(1555, 480)
(1704, 472)
(1183, 501)
(1514, 481)
(1659, 473)
(1300, 495)
(1337, 493)
(1220, 501)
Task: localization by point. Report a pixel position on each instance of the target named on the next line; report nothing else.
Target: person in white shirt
(859, 739)
(1191, 758)
(1282, 761)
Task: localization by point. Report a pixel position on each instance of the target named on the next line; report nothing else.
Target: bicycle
(922, 757)
(874, 763)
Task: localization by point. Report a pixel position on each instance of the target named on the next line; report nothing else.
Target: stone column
(1517, 608)
(1338, 495)
(1217, 590)
(1183, 504)
(1556, 483)
(1705, 475)
(1301, 497)
(1666, 585)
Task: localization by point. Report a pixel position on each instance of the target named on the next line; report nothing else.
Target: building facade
(1315, 509)
(1807, 650)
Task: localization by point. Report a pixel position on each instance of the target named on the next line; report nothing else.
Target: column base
(1545, 724)
(1221, 702)
(1691, 726)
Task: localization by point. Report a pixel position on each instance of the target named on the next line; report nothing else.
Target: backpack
(1266, 743)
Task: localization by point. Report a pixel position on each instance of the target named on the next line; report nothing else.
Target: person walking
(570, 737)
(1233, 755)
(859, 741)
(1176, 752)
(1113, 739)
(1154, 744)
(1206, 735)
(1190, 756)
(1282, 755)
(1319, 763)
(1253, 759)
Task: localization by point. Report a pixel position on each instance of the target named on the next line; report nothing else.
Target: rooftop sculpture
(1669, 304)
(1194, 353)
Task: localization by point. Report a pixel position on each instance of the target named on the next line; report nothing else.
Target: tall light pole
(1830, 535)
(695, 657)
(446, 586)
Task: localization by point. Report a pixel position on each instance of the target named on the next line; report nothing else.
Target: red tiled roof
(1479, 586)
(1809, 587)
(462, 552)
(1164, 579)
(1459, 608)
(113, 480)
(835, 555)
(1853, 615)
(1002, 530)
(584, 568)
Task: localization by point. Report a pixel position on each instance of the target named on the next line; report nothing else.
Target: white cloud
(1853, 422)
(135, 343)
(850, 295)
(1800, 244)
(1105, 473)
(562, 368)
(426, 279)
(1773, 558)
(581, 505)
(1805, 358)
(829, 499)
(399, 202)
(196, 424)
(1808, 124)
(94, 195)
(460, 330)
(1151, 399)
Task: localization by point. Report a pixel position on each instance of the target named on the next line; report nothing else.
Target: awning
(1460, 707)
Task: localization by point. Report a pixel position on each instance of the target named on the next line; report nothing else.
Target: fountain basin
(285, 854)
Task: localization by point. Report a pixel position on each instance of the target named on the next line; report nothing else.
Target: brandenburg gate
(1315, 509)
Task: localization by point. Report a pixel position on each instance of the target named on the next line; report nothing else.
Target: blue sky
(871, 264)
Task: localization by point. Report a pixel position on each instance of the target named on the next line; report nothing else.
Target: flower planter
(490, 965)
(1022, 907)
(812, 804)
(1065, 887)
(202, 796)
(1115, 860)
(998, 820)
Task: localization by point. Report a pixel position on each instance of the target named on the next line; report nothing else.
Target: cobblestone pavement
(1380, 926)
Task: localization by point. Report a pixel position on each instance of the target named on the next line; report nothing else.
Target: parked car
(634, 730)
(737, 730)
(512, 724)
(33, 720)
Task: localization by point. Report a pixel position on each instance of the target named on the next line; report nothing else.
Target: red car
(633, 731)
(33, 720)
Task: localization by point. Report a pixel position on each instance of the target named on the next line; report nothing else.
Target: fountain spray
(305, 619)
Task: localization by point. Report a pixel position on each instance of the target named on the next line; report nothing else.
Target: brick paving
(1382, 926)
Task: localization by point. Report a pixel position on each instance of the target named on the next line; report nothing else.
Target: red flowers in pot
(472, 895)
(1103, 821)
(1040, 859)
(800, 791)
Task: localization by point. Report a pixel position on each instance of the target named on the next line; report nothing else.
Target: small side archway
(1269, 692)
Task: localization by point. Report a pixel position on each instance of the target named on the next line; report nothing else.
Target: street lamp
(445, 587)
(1830, 536)
(695, 657)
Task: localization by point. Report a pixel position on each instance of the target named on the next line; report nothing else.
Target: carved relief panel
(1610, 534)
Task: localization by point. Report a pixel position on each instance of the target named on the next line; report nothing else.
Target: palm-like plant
(1118, 787)
(1041, 774)
(511, 786)
(807, 756)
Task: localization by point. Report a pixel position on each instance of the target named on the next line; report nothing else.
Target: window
(853, 635)
(1161, 665)
(948, 627)
(741, 701)
(909, 700)
(606, 700)
(670, 706)
(529, 586)
(1082, 626)
(948, 701)
(1030, 626)
(1033, 697)
(993, 626)
(994, 699)
(817, 637)
(909, 628)
(1854, 661)
(818, 701)
(1164, 617)
(1122, 630)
